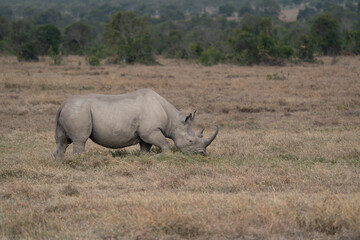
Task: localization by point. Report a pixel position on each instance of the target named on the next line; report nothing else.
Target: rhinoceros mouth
(202, 152)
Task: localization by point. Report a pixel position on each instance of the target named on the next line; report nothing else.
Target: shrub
(266, 43)
(352, 38)
(56, 58)
(27, 53)
(244, 48)
(305, 49)
(181, 54)
(211, 56)
(100, 51)
(268, 52)
(195, 50)
(285, 51)
(276, 76)
(93, 60)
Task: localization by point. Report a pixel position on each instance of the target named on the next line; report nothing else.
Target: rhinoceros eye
(190, 141)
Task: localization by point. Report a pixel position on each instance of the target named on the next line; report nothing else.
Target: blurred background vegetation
(208, 31)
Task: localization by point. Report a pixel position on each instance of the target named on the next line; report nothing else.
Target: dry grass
(286, 163)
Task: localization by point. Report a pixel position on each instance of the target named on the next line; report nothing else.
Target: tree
(30, 12)
(4, 28)
(266, 45)
(77, 37)
(101, 13)
(20, 33)
(244, 47)
(251, 23)
(304, 14)
(6, 12)
(326, 33)
(353, 41)
(50, 16)
(44, 37)
(297, 2)
(246, 9)
(350, 6)
(128, 34)
(305, 49)
(173, 43)
(26, 52)
(226, 10)
(266, 26)
(269, 8)
(170, 12)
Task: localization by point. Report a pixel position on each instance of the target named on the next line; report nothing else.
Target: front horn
(209, 141)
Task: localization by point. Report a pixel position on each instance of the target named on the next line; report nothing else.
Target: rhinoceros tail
(61, 138)
(58, 113)
(60, 134)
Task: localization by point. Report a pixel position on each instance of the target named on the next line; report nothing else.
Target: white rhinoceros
(117, 121)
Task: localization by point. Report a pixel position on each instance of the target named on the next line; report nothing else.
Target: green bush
(93, 60)
(100, 51)
(55, 57)
(276, 76)
(268, 52)
(181, 54)
(27, 53)
(352, 38)
(285, 51)
(305, 49)
(266, 43)
(211, 56)
(195, 50)
(244, 48)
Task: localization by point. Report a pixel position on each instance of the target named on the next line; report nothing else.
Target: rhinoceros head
(189, 141)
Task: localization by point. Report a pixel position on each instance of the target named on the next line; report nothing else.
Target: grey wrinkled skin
(116, 121)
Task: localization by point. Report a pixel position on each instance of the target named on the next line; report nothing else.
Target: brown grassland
(285, 165)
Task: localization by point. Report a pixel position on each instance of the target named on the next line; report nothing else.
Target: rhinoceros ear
(190, 117)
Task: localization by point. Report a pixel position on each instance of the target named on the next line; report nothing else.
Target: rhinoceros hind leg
(62, 142)
(79, 147)
(145, 147)
(158, 139)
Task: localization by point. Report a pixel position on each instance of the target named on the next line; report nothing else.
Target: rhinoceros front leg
(156, 138)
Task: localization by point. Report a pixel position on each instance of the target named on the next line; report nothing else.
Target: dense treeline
(209, 31)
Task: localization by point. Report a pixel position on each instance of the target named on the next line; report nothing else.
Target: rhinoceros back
(114, 121)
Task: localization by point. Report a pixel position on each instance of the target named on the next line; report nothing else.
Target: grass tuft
(70, 190)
